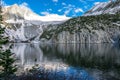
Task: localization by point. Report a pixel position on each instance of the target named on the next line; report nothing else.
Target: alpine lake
(70, 61)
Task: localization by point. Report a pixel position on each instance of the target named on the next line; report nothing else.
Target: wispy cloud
(67, 11)
(49, 9)
(83, 1)
(55, 0)
(95, 3)
(59, 10)
(69, 8)
(86, 6)
(24, 4)
(44, 13)
(3, 3)
(78, 10)
(53, 17)
(63, 3)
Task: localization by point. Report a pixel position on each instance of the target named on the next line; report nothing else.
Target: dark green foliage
(89, 23)
(3, 39)
(0, 18)
(6, 61)
(7, 68)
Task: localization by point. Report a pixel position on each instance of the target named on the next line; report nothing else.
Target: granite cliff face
(111, 7)
(23, 25)
(89, 28)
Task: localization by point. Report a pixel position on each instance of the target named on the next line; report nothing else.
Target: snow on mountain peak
(15, 11)
(110, 7)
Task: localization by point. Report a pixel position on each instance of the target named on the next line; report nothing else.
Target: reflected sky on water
(83, 61)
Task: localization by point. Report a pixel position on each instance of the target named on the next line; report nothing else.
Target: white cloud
(69, 6)
(48, 10)
(91, 0)
(59, 10)
(52, 17)
(78, 10)
(44, 13)
(63, 3)
(67, 9)
(24, 4)
(96, 3)
(55, 0)
(86, 6)
(83, 1)
(2, 3)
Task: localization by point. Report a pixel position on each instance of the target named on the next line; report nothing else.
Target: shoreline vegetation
(104, 62)
(61, 72)
(7, 67)
(42, 73)
(10, 71)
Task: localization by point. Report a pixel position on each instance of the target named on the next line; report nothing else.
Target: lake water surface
(83, 61)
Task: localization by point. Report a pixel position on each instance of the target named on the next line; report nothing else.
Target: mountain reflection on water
(85, 61)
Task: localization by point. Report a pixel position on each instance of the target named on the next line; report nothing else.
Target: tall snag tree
(7, 69)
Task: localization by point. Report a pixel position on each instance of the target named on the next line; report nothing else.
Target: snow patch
(25, 12)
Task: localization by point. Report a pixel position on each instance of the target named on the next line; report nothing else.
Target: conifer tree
(7, 69)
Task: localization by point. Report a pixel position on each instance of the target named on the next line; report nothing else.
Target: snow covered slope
(25, 25)
(110, 7)
(15, 11)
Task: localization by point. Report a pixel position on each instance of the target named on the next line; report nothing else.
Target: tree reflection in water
(85, 61)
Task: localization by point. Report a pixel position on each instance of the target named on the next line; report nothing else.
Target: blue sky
(69, 8)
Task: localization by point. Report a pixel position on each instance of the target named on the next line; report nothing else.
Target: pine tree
(6, 61)
(7, 64)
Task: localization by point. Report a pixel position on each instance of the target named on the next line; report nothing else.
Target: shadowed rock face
(22, 24)
(84, 37)
(86, 29)
(24, 31)
(91, 29)
(101, 24)
(102, 28)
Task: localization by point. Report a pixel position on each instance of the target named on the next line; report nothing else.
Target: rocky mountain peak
(17, 12)
(110, 7)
